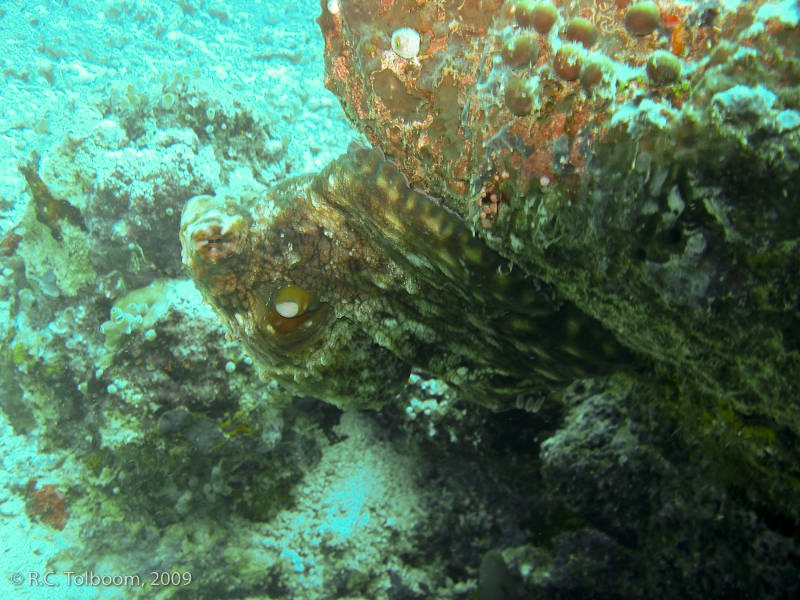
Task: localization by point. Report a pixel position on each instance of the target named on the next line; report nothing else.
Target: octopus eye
(214, 241)
(292, 301)
(295, 313)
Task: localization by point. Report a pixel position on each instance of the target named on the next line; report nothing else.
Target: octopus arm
(416, 230)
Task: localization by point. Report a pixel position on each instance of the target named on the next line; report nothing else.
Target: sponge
(138, 311)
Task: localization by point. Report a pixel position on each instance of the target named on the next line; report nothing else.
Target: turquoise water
(143, 455)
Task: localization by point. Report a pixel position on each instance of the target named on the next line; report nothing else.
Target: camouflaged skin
(395, 281)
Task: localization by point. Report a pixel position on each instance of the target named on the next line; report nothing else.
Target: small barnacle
(519, 97)
(642, 18)
(492, 197)
(582, 31)
(663, 68)
(405, 42)
(520, 51)
(598, 70)
(540, 17)
(568, 61)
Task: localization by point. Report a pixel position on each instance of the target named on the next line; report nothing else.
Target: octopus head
(272, 269)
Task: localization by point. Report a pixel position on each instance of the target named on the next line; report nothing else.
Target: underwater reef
(640, 159)
(533, 333)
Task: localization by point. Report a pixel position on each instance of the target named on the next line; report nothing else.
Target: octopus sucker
(338, 284)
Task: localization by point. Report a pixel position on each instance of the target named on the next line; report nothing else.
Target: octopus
(338, 284)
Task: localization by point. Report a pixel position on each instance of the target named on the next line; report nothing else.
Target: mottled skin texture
(396, 281)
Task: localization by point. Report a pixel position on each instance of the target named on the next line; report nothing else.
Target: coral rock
(660, 201)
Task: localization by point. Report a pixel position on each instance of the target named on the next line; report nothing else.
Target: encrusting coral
(649, 174)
